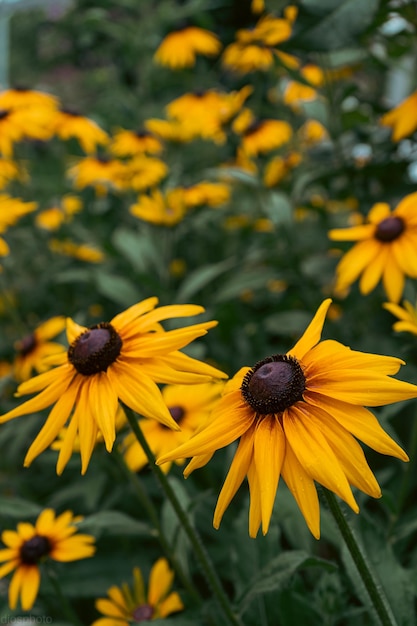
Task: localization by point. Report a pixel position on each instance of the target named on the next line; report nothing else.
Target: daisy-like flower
(171, 130)
(19, 124)
(190, 406)
(387, 248)
(9, 170)
(298, 415)
(101, 173)
(32, 349)
(125, 606)
(121, 360)
(22, 98)
(407, 316)
(206, 192)
(163, 209)
(130, 143)
(143, 172)
(52, 218)
(265, 135)
(402, 118)
(11, 210)
(312, 132)
(179, 48)
(296, 92)
(82, 252)
(278, 167)
(67, 124)
(27, 547)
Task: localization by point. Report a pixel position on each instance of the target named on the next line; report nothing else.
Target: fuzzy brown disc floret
(389, 229)
(34, 549)
(95, 350)
(274, 384)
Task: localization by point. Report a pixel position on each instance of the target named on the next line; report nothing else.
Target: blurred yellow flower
(278, 167)
(11, 210)
(205, 192)
(67, 124)
(35, 347)
(179, 48)
(130, 143)
(402, 118)
(312, 132)
(20, 98)
(142, 172)
(164, 209)
(296, 92)
(52, 218)
(407, 316)
(10, 170)
(20, 124)
(265, 135)
(82, 252)
(101, 173)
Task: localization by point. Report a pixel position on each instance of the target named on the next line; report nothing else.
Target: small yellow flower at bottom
(51, 537)
(298, 415)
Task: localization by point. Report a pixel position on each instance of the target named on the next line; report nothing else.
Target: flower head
(125, 606)
(298, 415)
(69, 124)
(407, 316)
(387, 248)
(163, 209)
(129, 143)
(34, 347)
(180, 47)
(121, 360)
(83, 251)
(265, 135)
(402, 118)
(101, 173)
(11, 210)
(51, 537)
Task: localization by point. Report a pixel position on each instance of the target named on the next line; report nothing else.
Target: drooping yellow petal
(104, 403)
(354, 262)
(255, 511)
(393, 280)
(67, 445)
(312, 333)
(85, 417)
(161, 578)
(355, 233)
(373, 271)
(171, 604)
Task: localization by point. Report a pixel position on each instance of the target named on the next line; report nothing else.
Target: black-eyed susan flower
(407, 316)
(17, 125)
(62, 212)
(130, 143)
(101, 173)
(312, 132)
(22, 98)
(124, 606)
(11, 210)
(10, 170)
(178, 131)
(206, 192)
(32, 349)
(278, 167)
(298, 415)
(121, 360)
(163, 209)
(180, 47)
(143, 172)
(386, 247)
(402, 118)
(265, 135)
(297, 92)
(81, 251)
(27, 547)
(190, 406)
(67, 124)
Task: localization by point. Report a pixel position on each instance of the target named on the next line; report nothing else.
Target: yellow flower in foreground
(298, 415)
(180, 47)
(51, 537)
(124, 606)
(68, 124)
(32, 349)
(402, 118)
(121, 360)
(190, 406)
(407, 315)
(387, 248)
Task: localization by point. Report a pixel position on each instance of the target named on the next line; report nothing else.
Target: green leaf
(287, 323)
(201, 277)
(137, 247)
(18, 508)
(112, 523)
(117, 288)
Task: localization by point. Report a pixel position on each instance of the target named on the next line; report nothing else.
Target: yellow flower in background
(21, 98)
(124, 606)
(179, 48)
(257, 6)
(35, 347)
(11, 210)
(386, 248)
(9, 170)
(121, 360)
(130, 143)
(407, 315)
(164, 209)
(51, 537)
(265, 135)
(68, 124)
(312, 132)
(278, 167)
(190, 407)
(206, 192)
(52, 218)
(17, 125)
(296, 92)
(143, 172)
(101, 173)
(82, 252)
(298, 415)
(171, 130)
(402, 118)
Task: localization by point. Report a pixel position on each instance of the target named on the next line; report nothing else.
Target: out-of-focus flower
(143, 172)
(127, 143)
(278, 167)
(11, 210)
(164, 209)
(17, 125)
(101, 173)
(52, 218)
(179, 48)
(265, 135)
(407, 316)
(402, 118)
(10, 170)
(21, 98)
(257, 6)
(33, 349)
(82, 252)
(206, 192)
(312, 132)
(68, 124)
(296, 92)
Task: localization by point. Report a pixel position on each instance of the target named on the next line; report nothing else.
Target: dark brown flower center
(274, 384)
(389, 229)
(253, 128)
(3, 114)
(177, 413)
(95, 350)
(142, 613)
(34, 549)
(26, 345)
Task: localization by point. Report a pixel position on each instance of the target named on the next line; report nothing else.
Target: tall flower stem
(372, 586)
(67, 610)
(199, 550)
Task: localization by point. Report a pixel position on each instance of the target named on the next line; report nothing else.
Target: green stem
(199, 551)
(372, 586)
(67, 610)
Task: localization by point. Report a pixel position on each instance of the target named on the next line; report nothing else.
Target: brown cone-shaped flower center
(177, 413)
(274, 384)
(34, 549)
(3, 114)
(26, 345)
(95, 350)
(389, 229)
(142, 613)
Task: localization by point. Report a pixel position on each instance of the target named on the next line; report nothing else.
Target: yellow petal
(393, 280)
(379, 211)
(373, 271)
(330, 355)
(255, 513)
(356, 233)
(104, 404)
(74, 330)
(85, 417)
(148, 321)
(123, 319)
(312, 333)
(25, 581)
(67, 445)
(171, 604)
(355, 261)
(160, 581)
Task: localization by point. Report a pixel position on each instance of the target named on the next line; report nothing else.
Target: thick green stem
(372, 586)
(199, 550)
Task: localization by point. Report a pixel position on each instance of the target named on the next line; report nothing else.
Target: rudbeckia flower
(121, 360)
(52, 218)
(407, 316)
(9, 170)
(312, 132)
(27, 547)
(206, 192)
(298, 415)
(101, 173)
(278, 167)
(67, 124)
(179, 48)
(11, 210)
(143, 172)
(33, 348)
(19, 124)
(164, 209)
(296, 92)
(21, 98)
(82, 252)
(402, 118)
(387, 248)
(190, 407)
(125, 606)
(130, 143)
(265, 135)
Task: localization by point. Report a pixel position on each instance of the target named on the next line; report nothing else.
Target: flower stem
(372, 586)
(199, 550)
(67, 610)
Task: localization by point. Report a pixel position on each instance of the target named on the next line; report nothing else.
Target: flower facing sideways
(407, 316)
(28, 546)
(298, 415)
(121, 360)
(34, 347)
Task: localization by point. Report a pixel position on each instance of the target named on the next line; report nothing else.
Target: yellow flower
(101, 173)
(68, 124)
(52, 218)
(125, 606)
(257, 6)
(171, 130)
(123, 359)
(21, 98)
(206, 192)
(11, 210)
(297, 92)
(143, 172)
(130, 143)
(407, 315)
(19, 124)
(265, 136)
(32, 349)
(387, 248)
(278, 167)
(180, 47)
(10, 170)
(402, 118)
(166, 210)
(312, 132)
(189, 406)
(298, 415)
(51, 537)
(83, 252)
